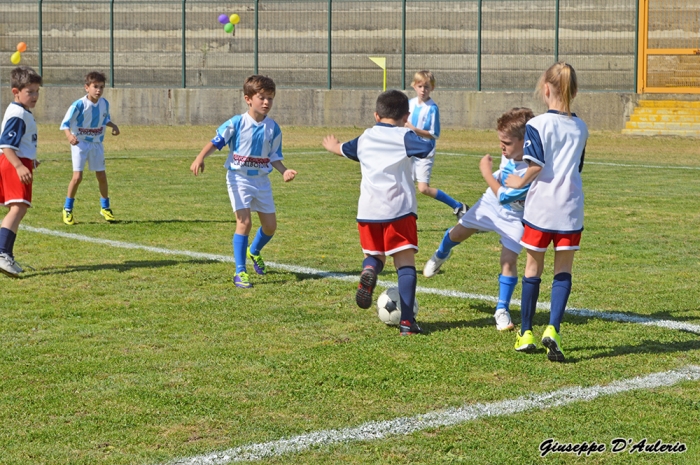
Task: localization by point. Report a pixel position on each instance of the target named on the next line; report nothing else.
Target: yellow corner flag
(381, 62)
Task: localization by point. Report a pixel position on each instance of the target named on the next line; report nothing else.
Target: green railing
(471, 44)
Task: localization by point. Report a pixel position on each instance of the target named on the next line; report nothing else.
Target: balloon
(234, 18)
(15, 58)
(223, 19)
(228, 27)
(21, 47)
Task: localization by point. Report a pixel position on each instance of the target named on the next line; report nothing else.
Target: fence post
(636, 47)
(330, 41)
(111, 44)
(184, 46)
(403, 45)
(556, 32)
(255, 45)
(41, 43)
(478, 47)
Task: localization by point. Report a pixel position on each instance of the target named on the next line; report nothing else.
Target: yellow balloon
(234, 18)
(15, 58)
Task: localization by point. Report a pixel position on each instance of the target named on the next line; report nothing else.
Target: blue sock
(528, 304)
(261, 239)
(374, 262)
(561, 288)
(506, 286)
(7, 241)
(446, 245)
(444, 198)
(240, 245)
(407, 291)
(104, 202)
(69, 203)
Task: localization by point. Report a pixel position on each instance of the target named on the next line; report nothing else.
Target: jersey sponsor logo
(11, 134)
(250, 162)
(527, 143)
(90, 131)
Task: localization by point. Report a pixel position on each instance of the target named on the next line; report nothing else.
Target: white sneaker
(8, 266)
(503, 322)
(433, 266)
(460, 211)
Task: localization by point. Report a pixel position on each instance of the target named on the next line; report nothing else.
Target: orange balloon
(21, 47)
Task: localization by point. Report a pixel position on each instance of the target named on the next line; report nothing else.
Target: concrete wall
(320, 107)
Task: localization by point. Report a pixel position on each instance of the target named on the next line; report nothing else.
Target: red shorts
(538, 240)
(388, 238)
(11, 188)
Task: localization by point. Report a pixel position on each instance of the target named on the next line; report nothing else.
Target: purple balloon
(223, 19)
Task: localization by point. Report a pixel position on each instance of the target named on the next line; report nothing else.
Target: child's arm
(516, 182)
(421, 132)
(333, 145)
(486, 168)
(71, 137)
(115, 128)
(287, 174)
(22, 171)
(197, 165)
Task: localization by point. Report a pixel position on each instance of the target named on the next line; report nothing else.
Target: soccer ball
(389, 306)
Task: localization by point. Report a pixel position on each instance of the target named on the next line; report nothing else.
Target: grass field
(122, 355)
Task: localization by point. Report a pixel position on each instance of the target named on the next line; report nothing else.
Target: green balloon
(228, 27)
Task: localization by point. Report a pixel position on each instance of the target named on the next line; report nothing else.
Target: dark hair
(392, 104)
(258, 83)
(22, 76)
(513, 122)
(94, 76)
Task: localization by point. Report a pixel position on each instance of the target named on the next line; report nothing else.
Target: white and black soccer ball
(389, 306)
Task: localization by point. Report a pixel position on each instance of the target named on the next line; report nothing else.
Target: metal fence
(470, 44)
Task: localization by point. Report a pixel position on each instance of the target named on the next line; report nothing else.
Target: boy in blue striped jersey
(500, 210)
(424, 119)
(84, 126)
(255, 148)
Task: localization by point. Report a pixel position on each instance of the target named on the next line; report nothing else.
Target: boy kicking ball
(500, 210)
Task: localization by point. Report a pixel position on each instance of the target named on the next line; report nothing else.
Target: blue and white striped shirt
(87, 120)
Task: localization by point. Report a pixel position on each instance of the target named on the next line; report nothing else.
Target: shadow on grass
(119, 267)
(231, 221)
(646, 346)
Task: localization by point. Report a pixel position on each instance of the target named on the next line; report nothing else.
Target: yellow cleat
(525, 342)
(552, 341)
(108, 215)
(68, 217)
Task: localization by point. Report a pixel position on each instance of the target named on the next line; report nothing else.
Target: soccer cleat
(241, 280)
(525, 342)
(503, 321)
(108, 215)
(8, 266)
(552, 341)
(461, 210)
(407, 328)
(368, 279)
(258, 262)
(68, 217)
(433, 265)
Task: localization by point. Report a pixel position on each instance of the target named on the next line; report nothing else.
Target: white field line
(406, 425)
(620, 317)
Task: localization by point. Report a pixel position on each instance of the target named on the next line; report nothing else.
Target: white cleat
(8, 266)
(433, 266)
(503, 321)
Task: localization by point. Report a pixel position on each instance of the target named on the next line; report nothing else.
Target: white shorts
(487, 217)
(91, 152)
(422, 169)
(254, 192)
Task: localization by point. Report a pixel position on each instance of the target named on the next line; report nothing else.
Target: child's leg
(9, 227)
(268, 226)
(405, 263)
(531, 288)
(508, 278)
(240, 238)
(452, 238)
(73, 189)
(104, 191)
(561, 286)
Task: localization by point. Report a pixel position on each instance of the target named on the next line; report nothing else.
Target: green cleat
(552, 341)
(241, 280)
(108, 215)
(525, 342)
(258, 262)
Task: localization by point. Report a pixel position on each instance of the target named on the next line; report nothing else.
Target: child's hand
(73, 140)
(486, 165)
(289, 175)
(197, 166)
(514, 181)
(331, 143)
(24, 174)
(115, 130)
(410, 126)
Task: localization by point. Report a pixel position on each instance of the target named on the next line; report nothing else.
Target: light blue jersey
(87, 120)
(509, 198)
(425, 116)
(253, 146)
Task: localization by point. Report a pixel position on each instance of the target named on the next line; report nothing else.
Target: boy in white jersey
(555, 145)
(18, 141)
(84, 126)
(500, 209)
(255, 148)
(425, 121)
(386, 212)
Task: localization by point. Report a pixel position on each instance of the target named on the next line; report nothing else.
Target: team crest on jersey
(527, 143)
(11, 134)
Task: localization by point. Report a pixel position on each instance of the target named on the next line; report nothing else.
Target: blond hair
(424, 76)
(513, 122)
(561, 78)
